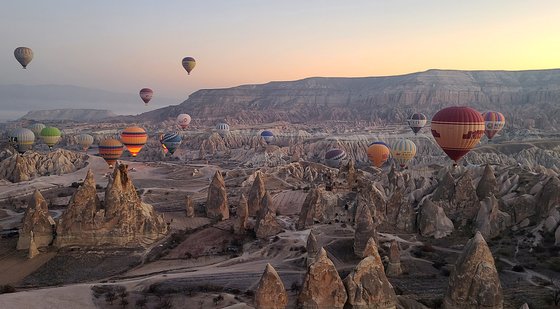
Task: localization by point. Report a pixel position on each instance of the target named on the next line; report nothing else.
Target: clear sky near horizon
(125, 45)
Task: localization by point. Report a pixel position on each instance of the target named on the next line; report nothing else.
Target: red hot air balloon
(146, 94)
(457, 130)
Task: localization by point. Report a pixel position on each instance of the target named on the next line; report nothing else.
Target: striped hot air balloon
(494, 122)
(172, 141)
(457, 130)
(267, 136)
(378, 153)
(110, 150)
(146, 95)
(22, 139)
(222, 128)
(188, 64)
(37, 128)
(334, 157)
(84, 140)
(417, 121)
(134, 138)
(403, 151)
(23, 55)
(183, 120)
(51, 136)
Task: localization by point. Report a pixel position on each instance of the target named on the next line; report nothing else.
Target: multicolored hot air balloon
(457, 130)
(494, 122)
(172, 141)
(378, 153)
(85, 140)
(51, 136)
(22, 139)
(188, 63)
(134, 138)
(417, 121)
(403, 151)
(222, 128)
(23, 55)
(37, 128)
(334, 157)
(146, 95)
(110, 150)
(183, 120)
(267, 136)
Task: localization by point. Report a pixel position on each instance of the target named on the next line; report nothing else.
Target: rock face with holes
(367, 285)
(37, 221)
(124, 221)
(216, 203)
(322, 286)
(474, 283)
(270, 292)
(256, 195)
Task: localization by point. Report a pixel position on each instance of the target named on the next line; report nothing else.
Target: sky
(126, 45)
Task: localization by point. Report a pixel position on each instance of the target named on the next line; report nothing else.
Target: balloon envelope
(494, 122)
(334, 157)
(22, 139)
(84, 140)
(37, 128)
(403, 151)
(378, 153)
(172, 141)
(51, 136)
(146, 94)
(183, 120)
(134, 138)
(222, 128)
(111, 150)
(417, 121)
(188, 63)
(23, 55)
(267, 136)
(457, 130)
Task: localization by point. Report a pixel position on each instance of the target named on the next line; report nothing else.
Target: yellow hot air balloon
(189, 63)
(23, 55)
(110, 150)
(378, 153)
(51, 136)
(403, 151)
(37, 128)
(134, 138)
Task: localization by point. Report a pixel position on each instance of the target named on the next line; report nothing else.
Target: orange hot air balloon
(146, 95)
(494, 123)
(378, 153)
(134, 138)
(457, 130)
(110, 150)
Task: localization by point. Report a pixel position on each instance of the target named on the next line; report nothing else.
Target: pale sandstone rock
(256, 194)
(38, 220)
(487, 185)
(394, 267)
(490, 221)
(189, 207)
(432, 221)
(240, 225)
(216, 202)
(266, 221)
(270, 292)
(312, 248)
(365, 229)
(33, 251)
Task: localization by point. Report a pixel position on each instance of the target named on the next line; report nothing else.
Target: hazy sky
(124, 45)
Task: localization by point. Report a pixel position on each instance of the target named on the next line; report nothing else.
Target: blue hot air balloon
(267, 136)
(172, 141)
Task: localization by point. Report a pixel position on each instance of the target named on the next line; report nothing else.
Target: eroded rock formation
(365, 229)
(394, 267)
(266, 221)
(240, 225)
(312, 248)
(270, 292)
(256, 195)
(432, 221)
(491, 221)
(216, 203)
(487, 185)
(33, 251)
(37, 220)
(189, 207)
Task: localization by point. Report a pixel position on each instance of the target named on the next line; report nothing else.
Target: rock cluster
(322, 286)
(124, 220)
(216, 203)
(270, 292)
(474, 283)
(36, 220)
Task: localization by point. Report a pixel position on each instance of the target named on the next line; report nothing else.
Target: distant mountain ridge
(79, 115)
(527, 98)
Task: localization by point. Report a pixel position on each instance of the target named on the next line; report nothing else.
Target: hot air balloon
(183, 120)
(172, 141)
(37, 128)
(134, 138)
(267, 136)
(222, 128)
(417, 121)
(23, 55)
(334, 157)
(403, 151)
(378, 153)
(146, 95)
(51, 136)
(189, 63)
(85, 140)
(111, 150)
(22, 139)
(493, 123)
(457, 130)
